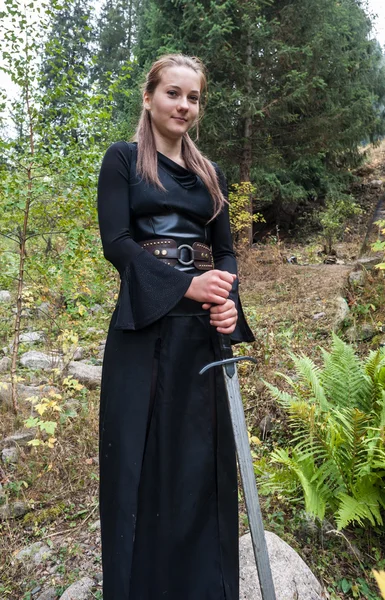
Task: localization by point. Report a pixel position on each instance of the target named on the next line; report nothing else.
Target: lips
(180, 119)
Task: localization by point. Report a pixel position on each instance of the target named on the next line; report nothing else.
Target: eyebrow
(179, 88)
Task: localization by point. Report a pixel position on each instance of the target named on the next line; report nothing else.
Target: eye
(172, 93)
(194, 98)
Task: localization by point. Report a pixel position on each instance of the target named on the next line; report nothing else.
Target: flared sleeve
(148, 288)
(225, 260)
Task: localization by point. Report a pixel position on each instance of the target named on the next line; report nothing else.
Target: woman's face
(174, 105)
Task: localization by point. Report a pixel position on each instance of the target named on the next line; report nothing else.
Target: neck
(169, 147)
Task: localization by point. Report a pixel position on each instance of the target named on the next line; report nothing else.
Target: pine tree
(117, 26)
(66, 60)
(294, 88)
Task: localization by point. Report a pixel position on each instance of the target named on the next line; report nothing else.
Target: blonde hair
(147, 163)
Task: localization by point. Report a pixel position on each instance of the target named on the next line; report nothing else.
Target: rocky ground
(293, 294)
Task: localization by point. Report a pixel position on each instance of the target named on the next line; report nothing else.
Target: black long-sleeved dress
(168, 481)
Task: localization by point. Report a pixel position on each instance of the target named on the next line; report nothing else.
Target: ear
(146, 101)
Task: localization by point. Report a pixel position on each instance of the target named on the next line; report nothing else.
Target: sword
(245, 463)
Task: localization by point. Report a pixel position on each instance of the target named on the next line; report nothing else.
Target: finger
(219, 292)
(206, 305)
(224, 285)
(215, 299)
(226, 276)
(231, 313)
(229, 305)
(226, 330)
(225, 323)
(220, 319)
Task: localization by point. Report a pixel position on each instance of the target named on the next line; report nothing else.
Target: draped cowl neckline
(184, 177)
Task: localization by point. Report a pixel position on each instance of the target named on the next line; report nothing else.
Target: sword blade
(246, 468)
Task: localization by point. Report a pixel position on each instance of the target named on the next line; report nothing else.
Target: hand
(224, 317)
(213, 287)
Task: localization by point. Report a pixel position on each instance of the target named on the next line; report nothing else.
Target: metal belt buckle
(186, 263)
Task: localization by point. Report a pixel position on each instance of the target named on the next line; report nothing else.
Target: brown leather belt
(168, 251)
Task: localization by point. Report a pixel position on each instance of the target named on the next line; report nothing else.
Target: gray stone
(23, 392)
(369, 262)
(357, 278)
(342, 311)
(35, 554)
(48, 594)
(79, 590)
(319, 315)
(5, 364)
(31, 337)
(96, 308)
(266, 426)
(19, 438)
(18, 509)
(35, 590)
(5, 512)
(95, 525)
(360, 333)
(43, 309)
(10, 455)
(291, 575)
(14, 510)
(78, 353)
(5, 296)
(88, 375)
(40, 360)
(376, 183)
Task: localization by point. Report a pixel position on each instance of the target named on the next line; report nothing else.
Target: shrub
(337, 415)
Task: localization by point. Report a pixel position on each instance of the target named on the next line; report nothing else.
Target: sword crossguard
(227, 361)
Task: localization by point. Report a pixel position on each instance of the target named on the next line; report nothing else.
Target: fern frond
(315, 503)
(343, 378)
(365, 503)
(282, 397)
(309, 374)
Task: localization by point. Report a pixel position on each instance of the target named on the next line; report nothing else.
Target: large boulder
(19, 438)
(31, 337)
(342, 311)
(40, 360)
(5, 364)
(23, 391)
(291, 575)
(88, 375)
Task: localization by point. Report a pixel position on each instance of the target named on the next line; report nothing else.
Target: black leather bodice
(155, 215)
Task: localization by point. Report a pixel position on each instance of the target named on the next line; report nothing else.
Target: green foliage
(337, 416)
(339, 207)
(241, 217)
(379, 245)
(294, 87)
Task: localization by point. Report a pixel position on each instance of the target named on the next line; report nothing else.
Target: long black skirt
(168, 479)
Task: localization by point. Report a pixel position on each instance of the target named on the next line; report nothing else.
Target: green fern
(337, 417)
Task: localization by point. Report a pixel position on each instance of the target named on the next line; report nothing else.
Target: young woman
(168, 479)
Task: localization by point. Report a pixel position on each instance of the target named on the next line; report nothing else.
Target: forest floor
(292, 300)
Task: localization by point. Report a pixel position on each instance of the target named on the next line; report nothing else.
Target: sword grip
(226, 352)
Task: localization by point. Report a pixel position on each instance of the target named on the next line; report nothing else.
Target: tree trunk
(246, 157)
(23, 254)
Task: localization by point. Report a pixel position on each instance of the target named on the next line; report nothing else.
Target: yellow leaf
(51, 442)
(41, 408)
(35, 443)
(255, 440)
(380, 578)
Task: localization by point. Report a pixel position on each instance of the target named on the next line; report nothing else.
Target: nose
(183, 103)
